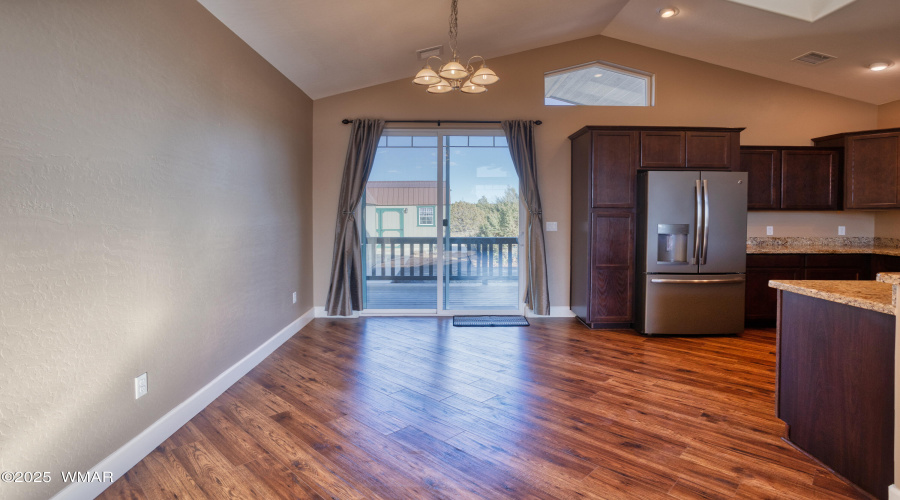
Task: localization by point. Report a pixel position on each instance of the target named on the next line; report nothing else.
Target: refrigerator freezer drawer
(692, 304)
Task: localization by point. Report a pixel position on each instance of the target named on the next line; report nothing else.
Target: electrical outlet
(140, 385)
(842, 230)
(770, 230)
(295, 297)
(551, 226)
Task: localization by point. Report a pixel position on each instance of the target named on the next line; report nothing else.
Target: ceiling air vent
(423, 54)
(814, 58)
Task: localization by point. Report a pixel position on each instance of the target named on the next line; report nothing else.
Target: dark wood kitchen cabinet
(696, 149)
(605, 162)
(761, 300)
(871, 167)
(836, 267)
(883, 264)
(792, 178)
(835, 387)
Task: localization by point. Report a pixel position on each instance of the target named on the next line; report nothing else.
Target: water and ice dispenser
(672, 246)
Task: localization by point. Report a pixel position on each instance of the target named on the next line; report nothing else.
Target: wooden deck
(462, 295)
(414, 408)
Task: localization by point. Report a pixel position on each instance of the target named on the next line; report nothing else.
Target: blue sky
(474, 171)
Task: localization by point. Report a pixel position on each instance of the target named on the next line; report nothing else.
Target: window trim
(650, 78)
(419, 215)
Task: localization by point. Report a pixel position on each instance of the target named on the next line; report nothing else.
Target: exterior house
(404, 209)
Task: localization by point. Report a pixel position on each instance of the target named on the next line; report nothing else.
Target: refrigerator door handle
(697, 282)
(697, 216)
(705, 222)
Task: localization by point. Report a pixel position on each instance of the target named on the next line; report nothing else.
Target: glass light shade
(485, 76)
(426, 76)
(454, 71)
(441, 87)
(879, 66)
(472, 88)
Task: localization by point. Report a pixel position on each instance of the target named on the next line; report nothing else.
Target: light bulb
(668, 12)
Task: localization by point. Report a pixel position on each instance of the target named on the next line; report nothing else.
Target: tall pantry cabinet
(605, 163)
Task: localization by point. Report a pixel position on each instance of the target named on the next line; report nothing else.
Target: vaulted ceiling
(327, 48)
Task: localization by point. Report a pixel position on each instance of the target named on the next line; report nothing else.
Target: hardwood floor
(415, 408)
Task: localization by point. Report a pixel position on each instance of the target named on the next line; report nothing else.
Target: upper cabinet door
(662, 149)
(809, 180)
(763, 167)
(708, 149)
(614, 169)
(873, 164)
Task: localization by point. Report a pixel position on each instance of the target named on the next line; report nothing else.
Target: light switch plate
(770, 230)
(842, 230)
(551, 226)
(295, 297)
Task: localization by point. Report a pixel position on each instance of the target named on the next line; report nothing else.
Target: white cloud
(492, 171)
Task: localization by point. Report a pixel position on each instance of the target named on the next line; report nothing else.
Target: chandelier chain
(454, 27)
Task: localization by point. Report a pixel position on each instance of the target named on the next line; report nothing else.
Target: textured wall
(689, 93)
(155, 216)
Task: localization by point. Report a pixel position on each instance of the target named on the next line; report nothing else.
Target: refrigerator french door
(692, 254)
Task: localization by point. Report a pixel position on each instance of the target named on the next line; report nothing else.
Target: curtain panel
(520, 136)
(345, 290)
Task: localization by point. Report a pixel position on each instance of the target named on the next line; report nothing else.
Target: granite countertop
(872, 295)
(786, 249)
(892, 278)
(829, 245)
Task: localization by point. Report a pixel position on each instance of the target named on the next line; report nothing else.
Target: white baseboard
(126, 457)
(893, 492)
(320, 313)
(555, 312)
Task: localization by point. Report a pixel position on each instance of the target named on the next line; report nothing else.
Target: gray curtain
(520, 135)
(345, 290)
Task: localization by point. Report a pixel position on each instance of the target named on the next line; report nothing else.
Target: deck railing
(415, 259)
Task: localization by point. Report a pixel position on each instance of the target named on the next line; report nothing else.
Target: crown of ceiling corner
(805, 10)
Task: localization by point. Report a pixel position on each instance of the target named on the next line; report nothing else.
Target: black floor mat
(490, 321)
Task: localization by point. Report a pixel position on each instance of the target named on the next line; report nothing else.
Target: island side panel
(835, 386)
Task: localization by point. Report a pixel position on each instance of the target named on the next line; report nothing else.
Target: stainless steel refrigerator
(692, 253)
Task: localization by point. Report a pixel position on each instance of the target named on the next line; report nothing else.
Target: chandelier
(453, 75)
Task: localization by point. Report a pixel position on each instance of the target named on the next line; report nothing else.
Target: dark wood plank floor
(415, 408)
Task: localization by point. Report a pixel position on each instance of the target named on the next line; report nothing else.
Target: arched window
(598, 84)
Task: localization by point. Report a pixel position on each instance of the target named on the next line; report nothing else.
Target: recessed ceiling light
(667, 12)
(598, 75)
(880, 66)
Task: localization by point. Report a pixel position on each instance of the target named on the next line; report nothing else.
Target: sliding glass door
(440, 222)
(481, 247)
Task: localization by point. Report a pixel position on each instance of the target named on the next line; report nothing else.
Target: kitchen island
(835, 376)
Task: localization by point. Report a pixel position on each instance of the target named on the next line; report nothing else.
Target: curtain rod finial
(346, 121)
(538, 122)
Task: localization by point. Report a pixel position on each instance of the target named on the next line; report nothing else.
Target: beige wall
(811, 224)
(689, 93)
(155, 199)
(887, 224)
(889, 115)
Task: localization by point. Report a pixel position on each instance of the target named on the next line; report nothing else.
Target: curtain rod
(345, 121)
